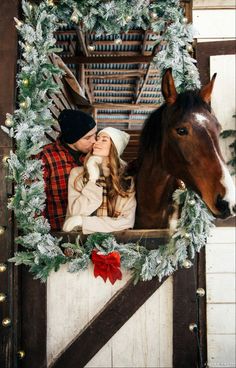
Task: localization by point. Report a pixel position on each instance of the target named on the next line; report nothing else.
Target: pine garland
(29, 123)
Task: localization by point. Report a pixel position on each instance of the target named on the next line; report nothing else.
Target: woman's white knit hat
(118, 137)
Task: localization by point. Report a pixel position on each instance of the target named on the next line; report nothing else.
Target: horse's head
(190, 148)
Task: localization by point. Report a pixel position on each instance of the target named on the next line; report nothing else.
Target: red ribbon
(107, 266)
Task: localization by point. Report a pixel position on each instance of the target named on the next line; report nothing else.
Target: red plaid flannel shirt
(57, 164)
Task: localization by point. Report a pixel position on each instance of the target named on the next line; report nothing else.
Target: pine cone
(68, 252)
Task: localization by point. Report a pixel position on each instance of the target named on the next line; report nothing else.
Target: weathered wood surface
(8, 279)
(145, 340)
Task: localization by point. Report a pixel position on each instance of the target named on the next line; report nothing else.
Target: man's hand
(93, 168)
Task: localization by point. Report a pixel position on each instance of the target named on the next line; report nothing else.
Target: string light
(118, 41)
(5, 159)
(187, 263)
(21, 354)
(2, 297)
(6, 322)
(200, 292)
(28, 47)
(91, 47)
(8, 122)
(185, 20)
(189, 48)
(3, 267)
(193, 327)
(2, 229)
(128, 18)
(25, 82)
(154, 15)
(192, 202)
(23, 104)
(75, 15)
(187, 235)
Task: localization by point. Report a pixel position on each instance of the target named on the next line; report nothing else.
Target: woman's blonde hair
(117, 183)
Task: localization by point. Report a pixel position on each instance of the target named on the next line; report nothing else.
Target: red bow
(107, 266)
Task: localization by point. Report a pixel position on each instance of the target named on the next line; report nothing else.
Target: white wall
(214, 20)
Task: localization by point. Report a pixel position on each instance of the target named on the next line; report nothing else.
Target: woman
(100, 196)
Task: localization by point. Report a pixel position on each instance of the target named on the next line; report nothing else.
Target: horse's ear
(168, 87)
(206, 91)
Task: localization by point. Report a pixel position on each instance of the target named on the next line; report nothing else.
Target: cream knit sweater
(85, 199)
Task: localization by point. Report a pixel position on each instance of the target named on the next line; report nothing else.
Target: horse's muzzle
(224, 208)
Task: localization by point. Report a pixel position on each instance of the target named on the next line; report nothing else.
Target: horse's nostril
(223, 207)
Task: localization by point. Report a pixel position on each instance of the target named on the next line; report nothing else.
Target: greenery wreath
(33, 119)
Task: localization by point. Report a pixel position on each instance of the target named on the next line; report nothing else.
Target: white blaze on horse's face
(226, 179)
(200, 118)
(227, 182)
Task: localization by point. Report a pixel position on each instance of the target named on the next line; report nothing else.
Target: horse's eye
(182, 131)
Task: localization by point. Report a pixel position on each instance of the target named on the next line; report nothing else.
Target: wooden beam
(138, 81)
(88, 94)
(143, 85)
(107, 59)
(117, 121)
(111, 92)
(113, 76)
(112, 106)
(105, 70)
(82, 42)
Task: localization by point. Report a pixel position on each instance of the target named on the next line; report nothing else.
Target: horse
(179, 143)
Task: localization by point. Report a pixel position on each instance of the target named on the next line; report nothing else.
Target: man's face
(85, 144)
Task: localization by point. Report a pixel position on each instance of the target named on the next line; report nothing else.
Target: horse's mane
(151, 135)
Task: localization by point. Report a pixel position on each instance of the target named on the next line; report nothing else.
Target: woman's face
(102, 146)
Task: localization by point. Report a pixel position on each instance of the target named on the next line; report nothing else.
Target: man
(78, 133)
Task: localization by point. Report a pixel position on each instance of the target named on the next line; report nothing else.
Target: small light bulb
(200, 292)
(28, 47)
(192, 202)
(154, 15)
(91, 47)
(21, 354)
(187, 235)
(23, 105)
(187, 263)
(5, 160)
(8, 122)
(118, 41)
(2, 229)
(25, 82)
(189, 48)
(192, 327)
(2, 297)
(3, 267)
(6, 322)
(128, 18)
(185, 20)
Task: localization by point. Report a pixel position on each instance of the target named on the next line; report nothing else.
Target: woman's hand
(72, 223)
(93, 167)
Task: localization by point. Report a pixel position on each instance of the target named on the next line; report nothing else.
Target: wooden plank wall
(8, 278)
(220, 279)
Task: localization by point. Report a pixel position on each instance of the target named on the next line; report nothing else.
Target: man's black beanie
(74, 125)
